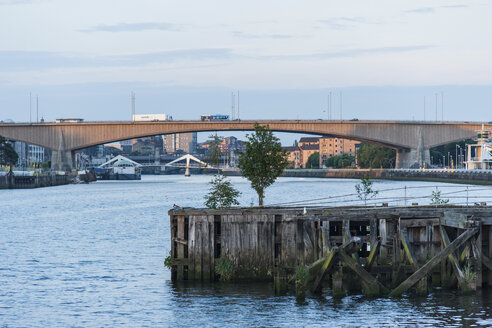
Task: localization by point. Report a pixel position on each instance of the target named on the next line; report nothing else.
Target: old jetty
(374, 250)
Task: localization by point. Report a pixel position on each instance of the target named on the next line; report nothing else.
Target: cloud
(352, 52)
(261, 36)
(455, 6)
(133, 27)
(32, 60)
(15, 2)
(424, 10)
(344, 23)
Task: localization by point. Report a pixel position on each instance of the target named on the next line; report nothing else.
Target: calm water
(92, 256)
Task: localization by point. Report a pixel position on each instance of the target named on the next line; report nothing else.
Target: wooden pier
(377, 250)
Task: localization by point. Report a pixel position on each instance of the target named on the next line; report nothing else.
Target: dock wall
(452, 176)
(345, 248)
(19, 182)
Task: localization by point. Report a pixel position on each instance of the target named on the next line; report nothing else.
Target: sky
(185, 58)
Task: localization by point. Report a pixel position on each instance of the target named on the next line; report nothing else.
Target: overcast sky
(83, 58)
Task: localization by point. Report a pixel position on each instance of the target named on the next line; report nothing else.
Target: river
(91, 255)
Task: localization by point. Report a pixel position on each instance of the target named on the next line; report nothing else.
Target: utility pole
(330, 105)
(133, 106)
(233, 111)
(340, 105)
(37, 109)
(237, 104)
(442, 106)
(424, 108)
(436, 107)
(30, 108)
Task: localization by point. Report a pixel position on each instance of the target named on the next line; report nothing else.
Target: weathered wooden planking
(455, 220)
(191, 248)
(426, 268)
(288, 254)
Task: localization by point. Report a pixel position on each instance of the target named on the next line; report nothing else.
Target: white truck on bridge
(152, 117)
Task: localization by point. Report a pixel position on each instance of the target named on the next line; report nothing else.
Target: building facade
(185, 142)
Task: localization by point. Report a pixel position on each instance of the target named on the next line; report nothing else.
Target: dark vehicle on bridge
(214, 118)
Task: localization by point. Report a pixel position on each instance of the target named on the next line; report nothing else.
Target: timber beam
(426, 268)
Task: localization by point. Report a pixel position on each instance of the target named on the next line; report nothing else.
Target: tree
(263, 160)
(214, 150)
(436, 198)
(375, 157)
(340, 161)
(8, 156)
(313, 161)
(364, 190)
(221, 193)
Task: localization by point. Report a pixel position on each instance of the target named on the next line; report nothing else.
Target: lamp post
(443, 161)
(449, 159)
(456, 150)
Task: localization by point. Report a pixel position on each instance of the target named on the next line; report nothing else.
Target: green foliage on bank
(371, 156)
(313, 161)
(340, 161)
(8, 156)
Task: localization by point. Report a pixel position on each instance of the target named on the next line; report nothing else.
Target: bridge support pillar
(61, 159)
(412, 158)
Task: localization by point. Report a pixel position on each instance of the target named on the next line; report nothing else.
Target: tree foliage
(214, 150)
(371, 156)
(313, 161)
(364, 190)
(436, 198)
(340, 161)
(8, 156)
(263, 160)
(221, 194)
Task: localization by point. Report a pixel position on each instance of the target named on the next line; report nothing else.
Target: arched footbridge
(411, 139)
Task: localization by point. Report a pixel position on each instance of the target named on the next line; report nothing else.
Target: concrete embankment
(20, 182)
(452, 176)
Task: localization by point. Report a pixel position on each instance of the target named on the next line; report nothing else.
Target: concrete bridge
(411, 139)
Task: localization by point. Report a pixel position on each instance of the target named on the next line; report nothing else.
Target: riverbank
(43, 180)
(481, 177)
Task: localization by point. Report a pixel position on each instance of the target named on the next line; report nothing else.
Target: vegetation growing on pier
(222, 193)
(364, 190)
(263, 160)
(436, 198)
(224, 268)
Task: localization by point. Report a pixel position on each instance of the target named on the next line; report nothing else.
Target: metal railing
(404, 196)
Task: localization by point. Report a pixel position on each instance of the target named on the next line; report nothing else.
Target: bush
(224, 268)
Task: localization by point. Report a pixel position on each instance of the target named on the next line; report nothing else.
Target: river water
(91, 255)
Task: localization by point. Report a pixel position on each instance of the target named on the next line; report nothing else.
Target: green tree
(221, 193)
(8, 156)
(375, 157)
(313, 161)
(364, 190)
(340, 161)
(214, 150)
(263, 160)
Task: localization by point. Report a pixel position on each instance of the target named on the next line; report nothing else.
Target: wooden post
(489, 276)
(191, 248)
(422, 284)
(198, 255)
(454, 262)
(327, 264)
(383, 252)
(477, 254)
(180, 272)
(422, 272)
(371, 285)
(337, 283)
(373, 254)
